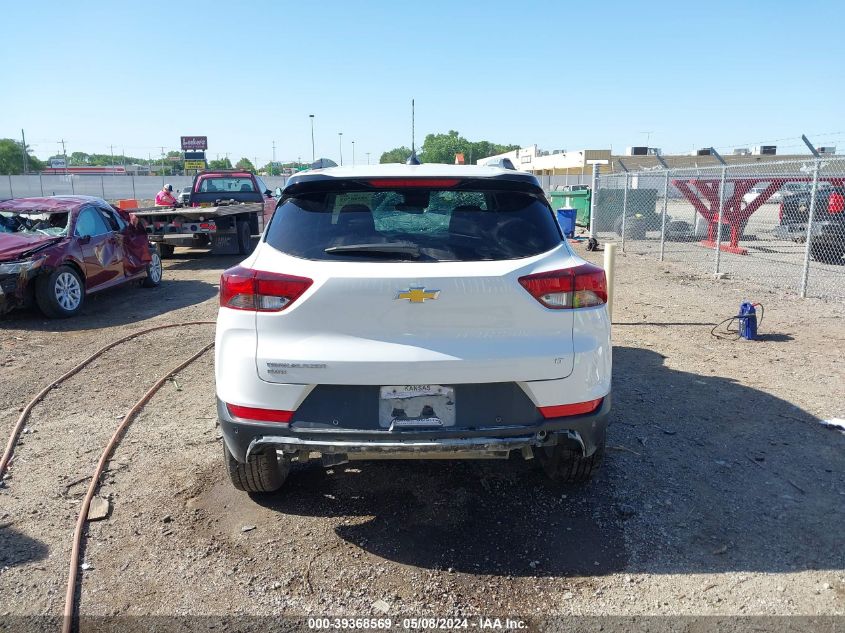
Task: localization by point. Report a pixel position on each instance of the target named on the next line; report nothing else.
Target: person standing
(165, 197)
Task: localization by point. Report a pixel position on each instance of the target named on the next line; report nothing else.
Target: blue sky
(564, 75)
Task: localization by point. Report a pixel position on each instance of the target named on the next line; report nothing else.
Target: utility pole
(23, 147)
(353, 153)
(162, 163)
(340, 144)
(111, 149)
(368, 158)
(273, 164)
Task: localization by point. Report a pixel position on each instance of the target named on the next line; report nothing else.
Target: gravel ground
(721, 493)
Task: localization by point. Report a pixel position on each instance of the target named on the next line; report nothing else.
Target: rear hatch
(414, 282)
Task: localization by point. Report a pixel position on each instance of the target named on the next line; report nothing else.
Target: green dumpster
(578, 200)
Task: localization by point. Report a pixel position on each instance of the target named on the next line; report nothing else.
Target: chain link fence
(744, 221)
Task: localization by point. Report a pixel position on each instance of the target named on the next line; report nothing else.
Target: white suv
(423, 311)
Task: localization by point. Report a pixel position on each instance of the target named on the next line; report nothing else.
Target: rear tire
(60, 294)
(827, 253)
(563, 463)
(166, 250)
(153, 277)
(244, 238)
(262, 472)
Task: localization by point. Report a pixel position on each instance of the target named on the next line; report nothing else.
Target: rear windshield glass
(227, 185)
(414, 225)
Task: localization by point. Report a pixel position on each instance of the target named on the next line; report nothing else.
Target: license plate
(206, 204)
(416, 406)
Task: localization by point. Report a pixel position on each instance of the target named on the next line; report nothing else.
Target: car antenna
(412, 159)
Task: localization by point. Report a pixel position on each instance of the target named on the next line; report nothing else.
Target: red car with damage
(55, 251)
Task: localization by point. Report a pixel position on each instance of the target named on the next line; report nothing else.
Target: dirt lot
(721, 493)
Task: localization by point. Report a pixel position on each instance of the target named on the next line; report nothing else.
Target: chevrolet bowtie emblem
(417, 295)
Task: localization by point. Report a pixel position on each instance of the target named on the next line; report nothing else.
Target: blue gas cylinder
(747, 321)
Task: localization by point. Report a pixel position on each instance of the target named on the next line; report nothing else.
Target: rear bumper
(823, 231)
(243, 438)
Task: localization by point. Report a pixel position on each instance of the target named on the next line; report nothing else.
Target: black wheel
(262, 472)
(564, 463)
(617, 226)
(61, 293)
(244, 238)
(153, 277)
(166, 250)
(827, 253)
(635, 227)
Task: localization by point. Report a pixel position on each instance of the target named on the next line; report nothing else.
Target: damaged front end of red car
(17, 279)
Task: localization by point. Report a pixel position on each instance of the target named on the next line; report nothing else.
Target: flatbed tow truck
(226, 210)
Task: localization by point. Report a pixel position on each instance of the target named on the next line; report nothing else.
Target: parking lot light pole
(313, 154)
(340, 144)
(353, 153)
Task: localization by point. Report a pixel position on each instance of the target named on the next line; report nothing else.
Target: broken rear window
(411, 224)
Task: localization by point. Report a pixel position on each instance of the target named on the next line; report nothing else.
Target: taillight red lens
(427, 183)
(260, 291)
(836, 203)
(780, 213)
(260, 415)
(583, 286)
(563, 410)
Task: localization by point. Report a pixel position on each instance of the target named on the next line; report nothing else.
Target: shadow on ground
(702, 475)
(17, 548)
(118, 306)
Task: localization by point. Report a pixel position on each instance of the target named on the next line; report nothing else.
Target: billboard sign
(58, 163)
(194, 164)
(194, 155)
(194, 142)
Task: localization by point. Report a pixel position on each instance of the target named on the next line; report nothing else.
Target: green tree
(397, 155)
(441, 148)
(78, 159)
(11, 158)
(245, 164)
(222, 163)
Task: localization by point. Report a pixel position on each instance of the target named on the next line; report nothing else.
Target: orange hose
(67, 621)
(13, 438)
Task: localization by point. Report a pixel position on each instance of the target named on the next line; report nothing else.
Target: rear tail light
(563, 410)
(259, 415)
(780, 213)
(836, 203)
(260, 291)
(583, 286)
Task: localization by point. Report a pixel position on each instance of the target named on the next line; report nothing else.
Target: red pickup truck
(226, 209)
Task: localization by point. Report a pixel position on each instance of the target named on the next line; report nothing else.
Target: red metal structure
(735, 214)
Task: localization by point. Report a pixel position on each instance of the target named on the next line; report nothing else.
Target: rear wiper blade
(376, 248)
